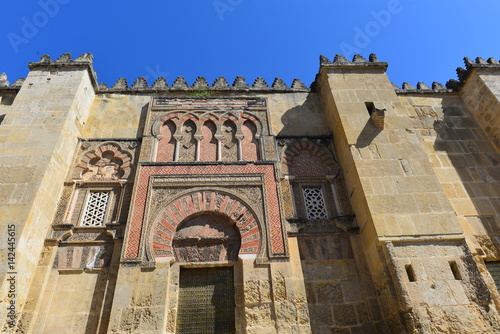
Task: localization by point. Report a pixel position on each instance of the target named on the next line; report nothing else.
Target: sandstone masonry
(351, 206)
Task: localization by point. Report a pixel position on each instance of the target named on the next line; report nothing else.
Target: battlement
(201, 85)
(340, 61)
(221, 84)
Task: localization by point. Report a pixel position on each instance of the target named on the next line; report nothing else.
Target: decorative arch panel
(165, 196)
(108, 162)
(227, 135)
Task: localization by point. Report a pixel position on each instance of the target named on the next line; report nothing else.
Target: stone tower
(353, 206)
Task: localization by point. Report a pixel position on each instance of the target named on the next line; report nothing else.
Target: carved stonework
(63, 204)
(229, 142)
(206, 238)
(305, 158)
(187, 150)
(83, 257)
(219, 208)
(104, 168)
(103, 162)
(208, 136)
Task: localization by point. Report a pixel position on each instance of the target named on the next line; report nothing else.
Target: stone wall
(39, 131)
(409, 181)
(396, 192)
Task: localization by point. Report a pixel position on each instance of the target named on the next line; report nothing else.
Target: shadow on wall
(305, 119)
(367, 135)
(468, 167)
(142, 121)
(474, 159)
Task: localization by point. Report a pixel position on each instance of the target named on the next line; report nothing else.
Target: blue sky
(422, 40)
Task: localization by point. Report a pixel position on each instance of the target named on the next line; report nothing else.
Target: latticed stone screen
(206, 301)
(95, 208)
(314, 202)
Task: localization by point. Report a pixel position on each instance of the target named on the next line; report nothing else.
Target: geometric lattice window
(95, 208)
(315, 203)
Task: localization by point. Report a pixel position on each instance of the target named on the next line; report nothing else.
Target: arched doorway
(206, 301)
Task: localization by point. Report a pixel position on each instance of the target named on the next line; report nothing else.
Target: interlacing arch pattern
(207, 136)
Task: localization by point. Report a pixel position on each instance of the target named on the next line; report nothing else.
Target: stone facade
(352, 206)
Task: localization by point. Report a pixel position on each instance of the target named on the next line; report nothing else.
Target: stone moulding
(211, 103)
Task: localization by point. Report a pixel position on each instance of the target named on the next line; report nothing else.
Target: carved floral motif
(106, 163)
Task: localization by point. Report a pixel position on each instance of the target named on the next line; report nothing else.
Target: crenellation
(340, 59)
(408, 86)
(438, 86)
(180, 84)
(140, 83)
(120, 84)
(422, 86)
(200, 83)
(64, 58)
(453, 84)
(278, 83)
(358, 59)
(3, 80)
(239, 82)
(220, 83)
(297, 84)
(160, 84)
(260, 83)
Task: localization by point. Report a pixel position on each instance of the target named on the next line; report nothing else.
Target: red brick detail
(253, 231)
(137, 215)
(249, 143)
(224, 204)
(173, 217)
(179, 207)
(232, 209)
(230, 116)
(208, 145)
(166, 145)
(213, 201)
(248, 245)
(199, 196)
(190, 205)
